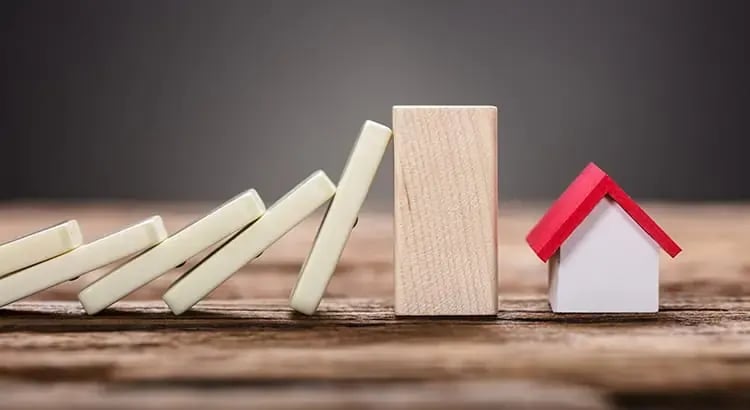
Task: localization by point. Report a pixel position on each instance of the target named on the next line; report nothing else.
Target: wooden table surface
(245, 348)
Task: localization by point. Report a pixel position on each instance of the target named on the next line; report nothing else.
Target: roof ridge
(575, 204)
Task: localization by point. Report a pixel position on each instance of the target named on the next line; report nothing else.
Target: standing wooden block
(445, 171)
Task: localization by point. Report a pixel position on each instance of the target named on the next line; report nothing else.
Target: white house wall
(608, 264)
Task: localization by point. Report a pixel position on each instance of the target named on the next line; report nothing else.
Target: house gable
(608, 264)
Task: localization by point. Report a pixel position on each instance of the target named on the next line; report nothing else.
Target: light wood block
(81, 260)
(445, 182)
(229, 218)
(246, 245)
(39, 246)
(341, 215)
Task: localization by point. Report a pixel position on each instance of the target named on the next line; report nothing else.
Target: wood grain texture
(244, 347)
(445, 213)
(695, 345)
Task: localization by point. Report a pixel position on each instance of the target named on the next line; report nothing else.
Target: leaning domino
(39, 246)
(220, 223)
(217, 267)
(81, 260)
(333, 233)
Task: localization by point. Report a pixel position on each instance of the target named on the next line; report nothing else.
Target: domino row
(242, 227)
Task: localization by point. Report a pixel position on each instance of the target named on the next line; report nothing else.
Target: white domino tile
(173, 251)
(217, 267)
(39, 246)
(333, 233)
(81, 260)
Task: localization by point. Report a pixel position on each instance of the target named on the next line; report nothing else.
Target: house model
(602, 249)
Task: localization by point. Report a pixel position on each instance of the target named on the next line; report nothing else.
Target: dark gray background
(199, 100)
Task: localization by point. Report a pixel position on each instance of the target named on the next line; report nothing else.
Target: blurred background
(197, 100)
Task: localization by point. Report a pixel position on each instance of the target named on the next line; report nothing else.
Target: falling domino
(81, 260)
(39, 246)
(333, 233)
(217, 267)
(201, 234)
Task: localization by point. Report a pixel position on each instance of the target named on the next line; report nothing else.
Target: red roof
(576, 203)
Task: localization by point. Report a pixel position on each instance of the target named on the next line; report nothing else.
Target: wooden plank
(445, 191)
(246, 347)
(694, 344)
(313, 396)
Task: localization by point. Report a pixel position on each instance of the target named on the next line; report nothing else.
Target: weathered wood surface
(246, 348)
